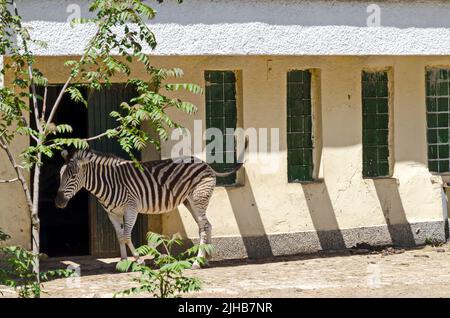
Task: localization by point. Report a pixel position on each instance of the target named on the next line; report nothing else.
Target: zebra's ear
(64, 154)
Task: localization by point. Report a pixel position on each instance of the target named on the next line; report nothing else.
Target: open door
(101, 104)
(63, 232)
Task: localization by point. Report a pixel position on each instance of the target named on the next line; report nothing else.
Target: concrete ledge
(402, 235)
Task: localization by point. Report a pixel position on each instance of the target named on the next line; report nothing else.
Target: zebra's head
(72, 177)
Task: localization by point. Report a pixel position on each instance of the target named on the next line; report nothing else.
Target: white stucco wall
(263, 27)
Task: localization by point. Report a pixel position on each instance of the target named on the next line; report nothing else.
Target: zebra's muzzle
(60, 200)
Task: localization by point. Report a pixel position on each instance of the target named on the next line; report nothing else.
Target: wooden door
(101, 104)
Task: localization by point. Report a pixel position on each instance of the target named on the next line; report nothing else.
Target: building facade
(359, 95)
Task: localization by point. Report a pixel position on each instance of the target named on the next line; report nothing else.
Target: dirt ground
(421, 272)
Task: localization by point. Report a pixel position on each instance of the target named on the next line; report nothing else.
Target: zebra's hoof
(196, 266)
(140, 261)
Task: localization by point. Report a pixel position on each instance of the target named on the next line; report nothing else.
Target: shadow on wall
(251, 228)
(394, 213)
(257, 244)
(176, 223)
(248, 219)
(323, 216)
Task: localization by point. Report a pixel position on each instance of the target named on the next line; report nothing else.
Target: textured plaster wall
(250, 27)
(266, 203)
(14, 218)
(218, 35)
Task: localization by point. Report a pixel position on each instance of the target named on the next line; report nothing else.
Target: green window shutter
(375, 104)
(299, 126)
(221, 113)
(437, 101)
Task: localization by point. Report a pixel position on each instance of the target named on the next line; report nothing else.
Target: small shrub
(3, 236)
(167, 279)
(433, 242)
(17, 270)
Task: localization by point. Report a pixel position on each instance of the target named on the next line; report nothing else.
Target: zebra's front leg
(117, 222)
(130, 218)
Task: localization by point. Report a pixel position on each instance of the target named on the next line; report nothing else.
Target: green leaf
(75, 142)
(71, 63)
(207, 248)
(154, 239)
(76, 95)
(145, 250)
(64, 128)
(176, 266)
(124, 265)
(192, 88)
(76, 21)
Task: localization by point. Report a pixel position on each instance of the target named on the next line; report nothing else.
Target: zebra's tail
(238, 165)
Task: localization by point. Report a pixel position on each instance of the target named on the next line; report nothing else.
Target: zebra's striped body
(125, 190)
(160, 187)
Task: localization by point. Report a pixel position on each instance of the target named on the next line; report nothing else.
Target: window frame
(316, 125)
(436, 96)
(239, 176)
(390, 104)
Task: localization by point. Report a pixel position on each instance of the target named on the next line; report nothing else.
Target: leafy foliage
(3, 236)
(18, 271)
(168, 279)
(433, 242)
(116, 48)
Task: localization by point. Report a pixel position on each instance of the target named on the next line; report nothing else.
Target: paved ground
(423, 272)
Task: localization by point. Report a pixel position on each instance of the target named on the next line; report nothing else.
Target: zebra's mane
(103, 154)
(79, 154)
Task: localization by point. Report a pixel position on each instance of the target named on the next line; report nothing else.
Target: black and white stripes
(125, 190)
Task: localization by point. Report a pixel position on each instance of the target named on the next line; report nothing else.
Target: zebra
(125, 190)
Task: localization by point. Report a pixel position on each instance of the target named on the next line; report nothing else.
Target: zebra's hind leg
(198, 211)
(117, 222)
(130, 218)
(139, 260)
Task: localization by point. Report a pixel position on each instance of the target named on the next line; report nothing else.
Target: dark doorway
(83, 227)
(63, 232)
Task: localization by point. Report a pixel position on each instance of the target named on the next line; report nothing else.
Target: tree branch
(58, 100)
(9, 181)
(35, 138)
(44, 103)
(33, 90)
(100, 135)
